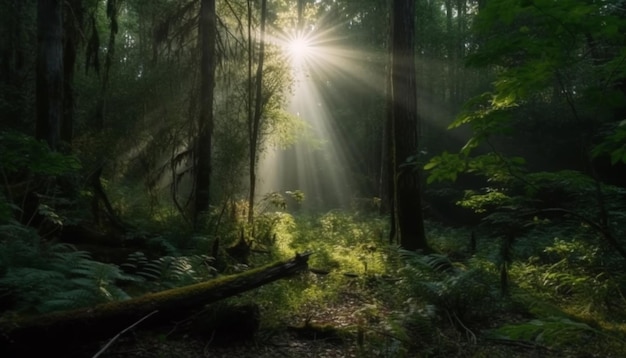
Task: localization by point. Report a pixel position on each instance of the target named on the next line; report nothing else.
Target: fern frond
(79, 297)
(31, 275)
(438, 262)
(115, 293)
(87, 283)
(435, 263)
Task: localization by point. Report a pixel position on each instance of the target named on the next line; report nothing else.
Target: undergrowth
(42, 276)
(553, 287)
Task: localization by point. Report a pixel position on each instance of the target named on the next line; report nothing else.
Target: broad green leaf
(431, 164)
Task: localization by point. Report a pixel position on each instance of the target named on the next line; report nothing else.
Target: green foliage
(45, 277)
(567, 180)
(563, 282)
(488, 114)
(579, 193)
(613, 144)
(168, 271)
(572, 272)
(447, 165)
(345, 241)
(456, 291)
(544, 55)
(275, 230)
(29, 167)
(40, 276)
(451, 241)
(345, 245)
(278, 201)
(285, 129)
(494, 166)
(21, 152)
(551, 331)
(489, 199)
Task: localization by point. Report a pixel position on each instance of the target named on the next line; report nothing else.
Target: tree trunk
(62, 332)
(388, 187)
(72, 28)
(258, 112)
(49, 84)
(207, 36)
(405, 126)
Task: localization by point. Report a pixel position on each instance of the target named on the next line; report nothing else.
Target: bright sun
(299, 48)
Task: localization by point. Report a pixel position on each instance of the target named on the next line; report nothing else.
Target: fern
(453, 290)
(432, 264)
(169, 271)
(30, 286)
(44, 277)
(68, 299)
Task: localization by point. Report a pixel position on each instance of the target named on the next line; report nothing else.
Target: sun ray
(322, 64)
(333, 73)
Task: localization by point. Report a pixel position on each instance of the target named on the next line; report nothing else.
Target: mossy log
(66, 329)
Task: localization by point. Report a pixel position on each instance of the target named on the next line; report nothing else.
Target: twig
(205, 350)
(122, 332)
(471, 336)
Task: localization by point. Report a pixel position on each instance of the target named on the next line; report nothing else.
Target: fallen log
(66, 330)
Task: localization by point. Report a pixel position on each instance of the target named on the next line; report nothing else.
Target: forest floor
(287, 341)
(342, 315)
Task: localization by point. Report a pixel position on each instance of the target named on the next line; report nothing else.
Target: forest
(313, 178)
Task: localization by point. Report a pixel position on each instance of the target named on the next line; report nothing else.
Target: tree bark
(207, 36)
(49, 83)
(405, 126)
(60, 331)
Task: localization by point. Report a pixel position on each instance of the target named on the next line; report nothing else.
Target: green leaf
(618, 155)
(431, 164)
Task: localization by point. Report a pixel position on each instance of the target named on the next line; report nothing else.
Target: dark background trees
(126, 94)
(49, 76)
(178, 130)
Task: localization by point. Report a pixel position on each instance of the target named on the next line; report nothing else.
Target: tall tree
(255, 121)
(404, 127)
(207, 37)
(49, 92)
(73, 26)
